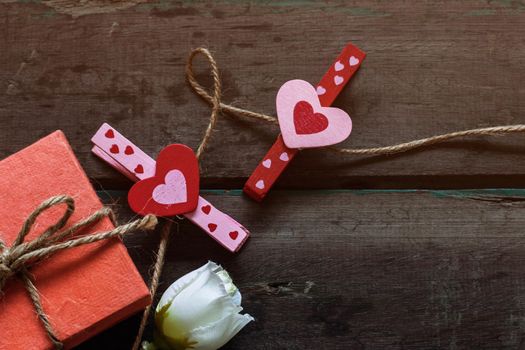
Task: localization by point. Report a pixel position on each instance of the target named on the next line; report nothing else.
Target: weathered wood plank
(364, 269)
(432, 67)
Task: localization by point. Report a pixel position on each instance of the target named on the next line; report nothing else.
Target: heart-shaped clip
(173, 190)
(304, 122)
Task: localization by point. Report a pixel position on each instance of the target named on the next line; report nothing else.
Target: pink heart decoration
(173, 190)
(304, 122)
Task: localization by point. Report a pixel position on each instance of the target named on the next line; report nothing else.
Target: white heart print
(267, 163)
(338, 80)
(320, 90)
(353, 61)
(338, 66)
(284, 157)
(260, 184)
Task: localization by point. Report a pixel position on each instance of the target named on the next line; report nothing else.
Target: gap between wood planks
(430, 183)
(506, 196)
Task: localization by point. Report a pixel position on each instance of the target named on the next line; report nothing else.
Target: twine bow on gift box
(16, 259)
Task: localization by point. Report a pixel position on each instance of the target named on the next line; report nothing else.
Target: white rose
(200, 311)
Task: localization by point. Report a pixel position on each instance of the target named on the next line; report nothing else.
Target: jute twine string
(218, 106)
(155, 279)
(164, 239)
(215, 101)
(21, 255)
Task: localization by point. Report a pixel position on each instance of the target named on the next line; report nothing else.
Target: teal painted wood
(500, 192)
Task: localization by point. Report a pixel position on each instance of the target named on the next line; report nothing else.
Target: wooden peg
(127, 158)
(280, 154)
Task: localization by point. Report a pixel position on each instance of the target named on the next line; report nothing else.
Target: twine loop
(21, 255)
(214, 99)
(5, 271)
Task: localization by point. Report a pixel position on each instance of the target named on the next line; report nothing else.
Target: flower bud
(199, 311)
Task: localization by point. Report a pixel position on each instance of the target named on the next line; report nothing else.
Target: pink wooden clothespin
(303, 127)
(124, 156)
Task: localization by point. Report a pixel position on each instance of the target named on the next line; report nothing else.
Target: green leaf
(146, 345)
(161, 315)
(164, 342)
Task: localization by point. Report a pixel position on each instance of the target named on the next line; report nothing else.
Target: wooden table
(408, 251)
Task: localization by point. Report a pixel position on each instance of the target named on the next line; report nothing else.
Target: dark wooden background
(409, 251)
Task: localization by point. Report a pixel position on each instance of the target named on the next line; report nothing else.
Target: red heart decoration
(306, 121)
(114, 149)
(109, 134)
(206, 209)
(139, 169)
(212, 227)
(234, 235)
(129, 150)
(173, 190)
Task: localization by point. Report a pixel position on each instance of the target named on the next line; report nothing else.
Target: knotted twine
(218, 106)
(164, 238)
(21, 255)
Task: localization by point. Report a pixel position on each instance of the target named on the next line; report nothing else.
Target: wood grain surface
(432, 67)
(362, 269)
(332, 268)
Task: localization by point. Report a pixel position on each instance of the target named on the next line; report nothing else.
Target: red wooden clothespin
(305, 120)
(131, 161)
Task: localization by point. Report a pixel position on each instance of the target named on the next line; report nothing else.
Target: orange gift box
(85, 289)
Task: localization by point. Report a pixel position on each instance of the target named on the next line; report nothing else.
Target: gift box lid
(84, 290)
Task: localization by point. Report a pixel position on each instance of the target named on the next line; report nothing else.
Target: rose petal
(202, 302)
(237, 298)
(176, 287)
(204, 299)
(220, 332)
